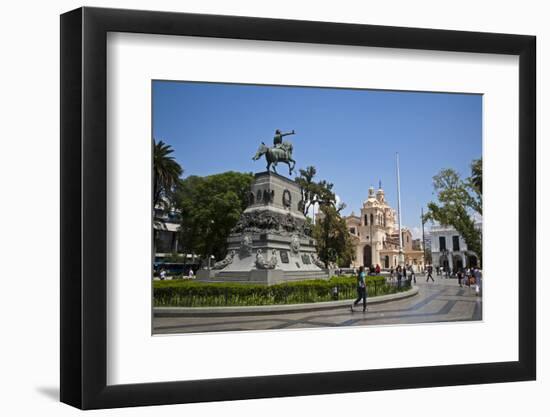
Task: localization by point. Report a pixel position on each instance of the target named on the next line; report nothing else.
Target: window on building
(442, 245)
(456, 246)
(366, 220)
(352, 230)
(371, 218)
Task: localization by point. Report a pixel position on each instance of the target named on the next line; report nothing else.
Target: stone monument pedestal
(272, 241)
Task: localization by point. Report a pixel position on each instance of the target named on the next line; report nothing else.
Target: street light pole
(447, 265)
(401, 260)
(423, 238)
(211, 226)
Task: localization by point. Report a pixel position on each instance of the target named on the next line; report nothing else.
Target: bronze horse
(280, 153)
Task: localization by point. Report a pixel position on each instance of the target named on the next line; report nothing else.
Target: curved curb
(273, 309)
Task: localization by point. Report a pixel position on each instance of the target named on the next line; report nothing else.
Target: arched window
(366, 220)
(371, 218)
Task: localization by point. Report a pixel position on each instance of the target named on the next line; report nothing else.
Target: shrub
(182, 293)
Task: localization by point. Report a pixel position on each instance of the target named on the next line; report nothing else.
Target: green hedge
(184, 293)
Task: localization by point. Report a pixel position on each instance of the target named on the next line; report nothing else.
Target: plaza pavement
(439, 301)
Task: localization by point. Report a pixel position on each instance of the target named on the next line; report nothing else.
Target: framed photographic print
(250, 205)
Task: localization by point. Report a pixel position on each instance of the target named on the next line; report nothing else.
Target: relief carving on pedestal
(295, 245)
(284, 256)
(246, 246)
(265, 221)
(262, 263)
(225, 261)
(287, 200)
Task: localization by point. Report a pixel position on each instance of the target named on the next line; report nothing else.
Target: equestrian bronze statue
(280, 152)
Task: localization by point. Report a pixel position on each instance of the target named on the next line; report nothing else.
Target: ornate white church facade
(375, 235)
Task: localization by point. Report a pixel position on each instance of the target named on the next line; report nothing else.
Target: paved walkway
(442, 301)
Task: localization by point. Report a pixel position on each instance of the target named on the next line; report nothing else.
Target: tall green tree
(476, 179)
(313, 192)
(459, 202)
(330, 231)
(166, 172)
(333, 239)
(210, 207)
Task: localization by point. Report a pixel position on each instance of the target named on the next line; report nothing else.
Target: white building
(450, 250)
(166, 225)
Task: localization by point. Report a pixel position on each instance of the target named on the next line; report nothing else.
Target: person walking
(413, 274)
(377, 269)
(430, 270)
(399, 276)
(361, 289)
(477, 276)
(459, 275)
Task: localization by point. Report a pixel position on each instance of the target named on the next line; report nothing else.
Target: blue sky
(350, 136)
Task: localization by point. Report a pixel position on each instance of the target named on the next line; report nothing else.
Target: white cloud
(416, 232)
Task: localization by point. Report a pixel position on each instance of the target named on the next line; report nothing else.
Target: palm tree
(166, 171)
(477, 175)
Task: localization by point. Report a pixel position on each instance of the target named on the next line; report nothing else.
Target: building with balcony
(449, 250)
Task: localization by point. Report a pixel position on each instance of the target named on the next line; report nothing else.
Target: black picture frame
(84, 207)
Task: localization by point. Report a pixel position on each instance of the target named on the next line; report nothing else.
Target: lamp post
(423, 238)
(210, 245)
(401, 260)
(445, 253)
(371, 218)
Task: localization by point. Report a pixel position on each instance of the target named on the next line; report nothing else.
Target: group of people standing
(468, 277)
(402, 273)
(440, 270)
(465, 276)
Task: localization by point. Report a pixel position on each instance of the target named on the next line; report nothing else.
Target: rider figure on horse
(278, 141)
(280, 152)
